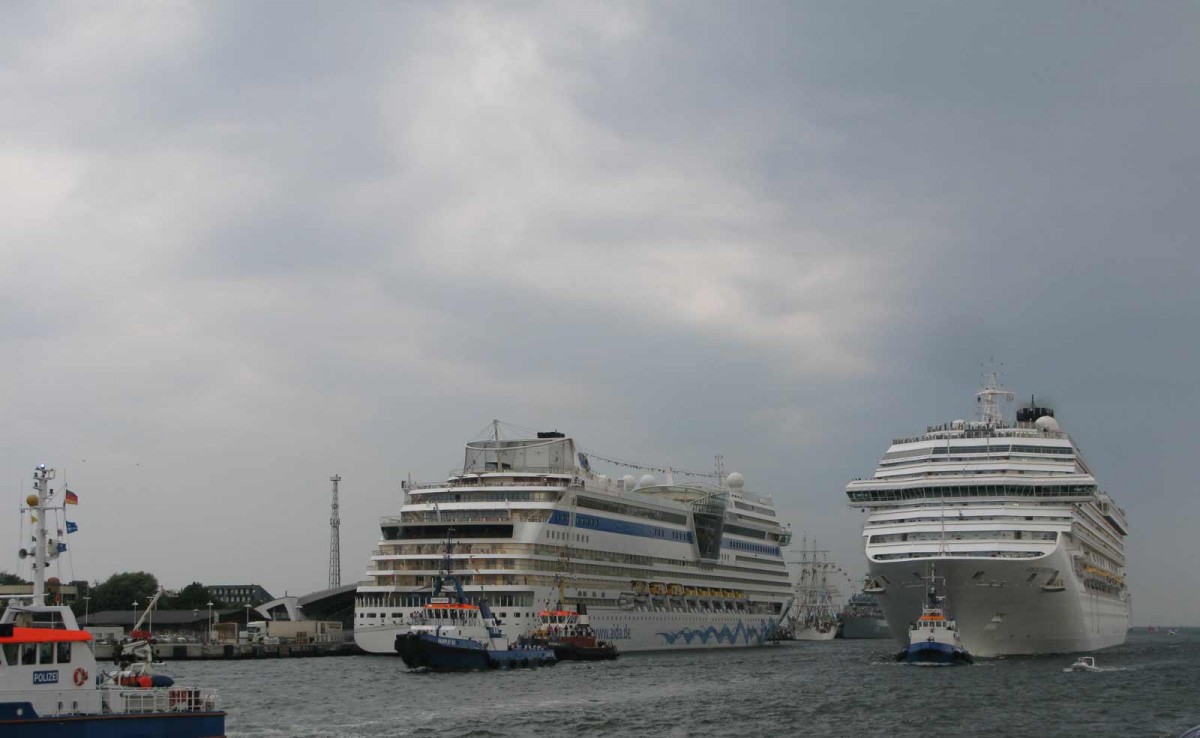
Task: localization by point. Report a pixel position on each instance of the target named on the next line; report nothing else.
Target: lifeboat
(142, 681)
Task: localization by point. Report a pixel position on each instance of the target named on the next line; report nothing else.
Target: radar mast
(987, 398)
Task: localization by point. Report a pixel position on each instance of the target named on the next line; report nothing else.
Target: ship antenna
(987, 396)
(41, 558)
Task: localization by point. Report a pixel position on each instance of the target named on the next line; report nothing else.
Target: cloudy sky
(244, 246)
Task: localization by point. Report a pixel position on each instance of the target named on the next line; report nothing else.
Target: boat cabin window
(10, 654)
(64, 652)
(45, 653)
(29, 653)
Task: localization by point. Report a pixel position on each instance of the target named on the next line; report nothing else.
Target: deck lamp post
(247, 615)
(87, 601)
(133, 622)
(208, 635)
(195, 616)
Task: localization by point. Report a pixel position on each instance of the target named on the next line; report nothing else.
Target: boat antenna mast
(36, 504)
(987, 398)
(335, 544)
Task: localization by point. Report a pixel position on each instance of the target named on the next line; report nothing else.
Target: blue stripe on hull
(585, 521)
(193, 725)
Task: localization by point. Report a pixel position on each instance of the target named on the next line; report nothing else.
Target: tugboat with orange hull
(50, 683)
(569, 634)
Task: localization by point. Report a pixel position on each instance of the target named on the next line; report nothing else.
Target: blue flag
(71, 527)
(62, 547)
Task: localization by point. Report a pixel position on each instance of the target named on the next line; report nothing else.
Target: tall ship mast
(813, 616)
(659, 564)
(1032, 550)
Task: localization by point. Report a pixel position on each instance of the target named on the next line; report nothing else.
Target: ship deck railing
(482, 482)
(119, 700)
(492, 516)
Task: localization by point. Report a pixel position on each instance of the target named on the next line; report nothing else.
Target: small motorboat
(1084, 663)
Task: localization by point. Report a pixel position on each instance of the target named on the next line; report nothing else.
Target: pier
(234, 651)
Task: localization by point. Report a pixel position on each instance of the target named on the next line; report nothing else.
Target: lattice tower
(335, 545)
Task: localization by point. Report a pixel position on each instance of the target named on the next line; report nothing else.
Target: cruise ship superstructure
(1031, 549)
(660, 566)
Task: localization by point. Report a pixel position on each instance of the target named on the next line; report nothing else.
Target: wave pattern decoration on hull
(724, 634)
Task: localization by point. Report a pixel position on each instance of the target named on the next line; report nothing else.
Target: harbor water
(839, 688)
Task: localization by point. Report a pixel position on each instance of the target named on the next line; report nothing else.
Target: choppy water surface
(840, 688)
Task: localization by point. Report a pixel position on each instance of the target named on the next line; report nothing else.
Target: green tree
(193, 597)
(6, 578)
(120, 591)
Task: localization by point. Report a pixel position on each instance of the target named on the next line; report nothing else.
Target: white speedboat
(1084, 663)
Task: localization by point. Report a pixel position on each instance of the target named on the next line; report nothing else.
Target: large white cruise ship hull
(630, 631)
(1008, 609)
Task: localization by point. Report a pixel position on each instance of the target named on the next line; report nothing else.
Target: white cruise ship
(1032, 550)
(659, 566)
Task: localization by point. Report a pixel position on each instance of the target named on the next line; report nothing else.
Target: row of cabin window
(992, 449)
(37, 653)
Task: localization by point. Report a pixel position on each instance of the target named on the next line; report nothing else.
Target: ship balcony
(456, 516)
(500, 481)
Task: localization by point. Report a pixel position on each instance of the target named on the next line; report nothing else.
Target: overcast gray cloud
(246, 246)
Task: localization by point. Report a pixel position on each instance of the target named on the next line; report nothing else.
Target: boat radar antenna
(987, 397)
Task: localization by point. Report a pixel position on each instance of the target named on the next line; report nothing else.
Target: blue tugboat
(50, 683)
(933, 639)
(452, 634)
